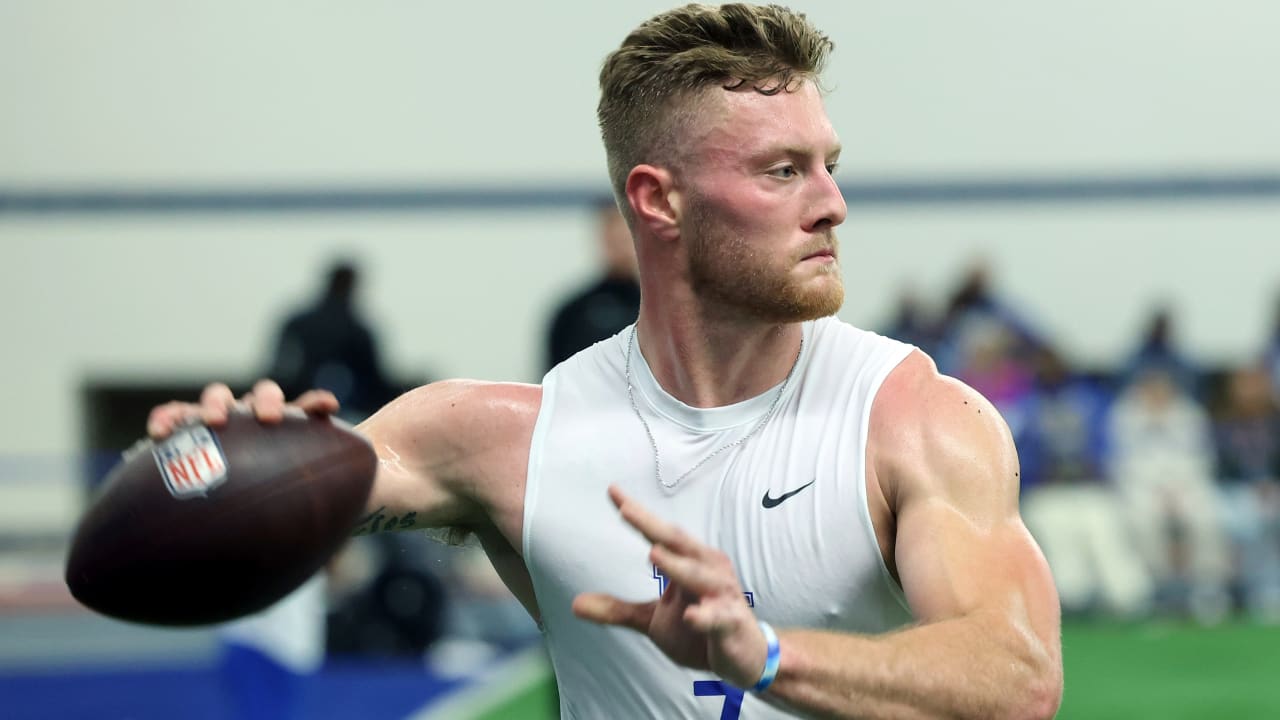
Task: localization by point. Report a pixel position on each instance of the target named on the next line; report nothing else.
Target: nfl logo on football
(191, 462)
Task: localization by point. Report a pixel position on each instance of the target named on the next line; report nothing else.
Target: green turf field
(1168, 671)
(1171, 672)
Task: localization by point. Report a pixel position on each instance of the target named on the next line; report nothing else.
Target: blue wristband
(771, 660)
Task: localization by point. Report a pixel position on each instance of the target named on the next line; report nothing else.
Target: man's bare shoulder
(454, 452)
(456, 429)
(496, 401)
(932, 434)
(470, 403)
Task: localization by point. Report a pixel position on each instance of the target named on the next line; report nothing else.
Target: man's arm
(450, 454)
(987, 641)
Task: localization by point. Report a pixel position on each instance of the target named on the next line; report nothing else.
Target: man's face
(761, 205)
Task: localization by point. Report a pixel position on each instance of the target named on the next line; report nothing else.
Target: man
(328, 345)
(606, 306)
(1161, 460)
(782, 468)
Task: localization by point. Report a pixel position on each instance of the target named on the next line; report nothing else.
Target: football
(214, 523)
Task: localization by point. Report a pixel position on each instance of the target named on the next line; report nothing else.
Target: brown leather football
(213, 524)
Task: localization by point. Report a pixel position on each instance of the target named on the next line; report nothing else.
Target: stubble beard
(729, 273)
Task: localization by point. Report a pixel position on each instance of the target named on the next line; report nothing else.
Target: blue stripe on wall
(1154, 188)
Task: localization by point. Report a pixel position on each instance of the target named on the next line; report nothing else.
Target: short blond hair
(647, 83)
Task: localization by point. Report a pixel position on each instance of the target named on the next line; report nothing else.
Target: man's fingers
(654, 529)
(217, 394)
(317, 402)
(215, 402)
(687, 562)
(609, 610)
(697, 575)
(164, 418)
(267, 401)
(703, 618)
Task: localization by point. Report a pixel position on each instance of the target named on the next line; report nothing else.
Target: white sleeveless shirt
(789, 508)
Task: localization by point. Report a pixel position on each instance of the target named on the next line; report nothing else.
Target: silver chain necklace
(657, 461)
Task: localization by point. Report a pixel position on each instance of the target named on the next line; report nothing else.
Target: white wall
(146, 91)
(249, 95)
(201, 298)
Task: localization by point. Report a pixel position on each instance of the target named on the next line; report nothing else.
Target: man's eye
(832, 168)
(784, 172)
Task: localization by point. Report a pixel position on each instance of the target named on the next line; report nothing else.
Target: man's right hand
(265, 401)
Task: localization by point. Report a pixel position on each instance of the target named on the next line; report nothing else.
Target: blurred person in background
(392, 600)
(991, 362)
(265, 658)
(609, 303)
(482, 620)
(1162, 461)
(974, 307)
(1067, 504)
(329, 346)
(1247, 434)
(1158, 349)
(912, 324)
(400, 605)
(1271, 353)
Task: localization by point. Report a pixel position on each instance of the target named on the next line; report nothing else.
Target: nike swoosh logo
(772, 502)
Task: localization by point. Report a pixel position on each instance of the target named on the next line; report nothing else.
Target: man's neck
(707, 361)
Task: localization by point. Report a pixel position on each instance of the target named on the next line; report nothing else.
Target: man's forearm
(961, 668)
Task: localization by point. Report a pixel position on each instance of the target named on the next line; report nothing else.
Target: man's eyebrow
(798, 151)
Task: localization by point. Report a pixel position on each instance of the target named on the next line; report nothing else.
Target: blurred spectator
(393, 602)
(265, 656)
(1076, 516)
(990, 363)
(1158, 349)
(974, 307)
(421, 594)
(606, 306)
(911, 324)
(1271, 354)
(1248, 438)
(329, 346)
(1162, 461)
(484, 619)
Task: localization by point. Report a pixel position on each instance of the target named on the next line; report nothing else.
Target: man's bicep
(951, 567)
(423, 452)
(961, 546)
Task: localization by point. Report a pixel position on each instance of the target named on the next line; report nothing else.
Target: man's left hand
(702, 620)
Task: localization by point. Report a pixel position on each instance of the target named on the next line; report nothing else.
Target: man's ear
(654, 201)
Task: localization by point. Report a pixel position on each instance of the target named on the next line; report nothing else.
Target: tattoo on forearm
(378, 521)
